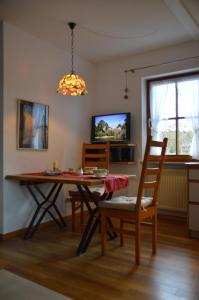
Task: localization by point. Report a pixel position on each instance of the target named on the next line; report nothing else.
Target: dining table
(46, 200)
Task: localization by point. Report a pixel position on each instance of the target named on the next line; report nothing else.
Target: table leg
(84, 196)
(112, 234)
(88, 233)
(54, 206)
(93, 221)
(41, 205)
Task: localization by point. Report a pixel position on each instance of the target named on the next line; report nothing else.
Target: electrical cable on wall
(161, 64)
(126, 90)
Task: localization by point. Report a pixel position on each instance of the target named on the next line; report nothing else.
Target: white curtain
(188, 91)
(160, 96)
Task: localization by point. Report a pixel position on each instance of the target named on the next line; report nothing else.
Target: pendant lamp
(72, 84)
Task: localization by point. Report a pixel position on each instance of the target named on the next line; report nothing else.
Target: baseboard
(172, 213)
(20, 232)
(194, 234)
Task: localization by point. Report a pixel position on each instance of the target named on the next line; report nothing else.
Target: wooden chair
(140, 208)
(93, 155)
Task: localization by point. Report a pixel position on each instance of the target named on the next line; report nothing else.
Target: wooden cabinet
(193, 199)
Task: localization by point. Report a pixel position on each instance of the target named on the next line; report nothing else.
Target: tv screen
(110, 128)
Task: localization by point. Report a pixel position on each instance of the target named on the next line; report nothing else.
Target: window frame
(169, 158)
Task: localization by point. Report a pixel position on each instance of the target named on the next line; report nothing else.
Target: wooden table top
(90, 181)
(55, 179)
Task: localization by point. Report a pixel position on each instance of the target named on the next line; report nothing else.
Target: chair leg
(82, 212)
(137, 243)
(154, 234)
(103, 233)
(121, 232)
(73, 214)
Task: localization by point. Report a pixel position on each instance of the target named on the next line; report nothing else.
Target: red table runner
(112, 183)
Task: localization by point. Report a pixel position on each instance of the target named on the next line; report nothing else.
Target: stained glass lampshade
(72, 85)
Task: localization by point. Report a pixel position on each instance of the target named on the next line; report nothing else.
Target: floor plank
(49, 259)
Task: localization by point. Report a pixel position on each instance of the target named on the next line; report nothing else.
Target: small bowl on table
(89, 170)
(100, 172)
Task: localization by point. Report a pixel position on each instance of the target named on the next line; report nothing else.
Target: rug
(13, 287)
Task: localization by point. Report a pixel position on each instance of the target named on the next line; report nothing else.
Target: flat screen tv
(113, 128)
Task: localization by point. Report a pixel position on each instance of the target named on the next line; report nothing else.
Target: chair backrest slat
(154, 173)
(154, 158)
(95, 155)
(149, 184)
(96, 146)
(99, 164)
(151, 171)
(157, 144)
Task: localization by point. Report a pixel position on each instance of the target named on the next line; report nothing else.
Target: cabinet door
(194, 192)
(194, 217)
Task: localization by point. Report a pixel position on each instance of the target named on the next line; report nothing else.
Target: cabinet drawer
(194, 192)
(194, 217)
(194, 174)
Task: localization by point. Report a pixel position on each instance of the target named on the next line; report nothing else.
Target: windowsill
(171, 165)
(177, 163)
(174, 162)
(179, 159)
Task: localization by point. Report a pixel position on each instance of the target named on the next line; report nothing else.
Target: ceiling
(106, 29)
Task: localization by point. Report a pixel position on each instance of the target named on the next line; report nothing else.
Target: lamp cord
(72, 49)
(72, 26)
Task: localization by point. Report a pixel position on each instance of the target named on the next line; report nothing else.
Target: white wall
(32, 69)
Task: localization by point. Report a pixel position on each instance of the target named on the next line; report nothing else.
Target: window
(173, 112)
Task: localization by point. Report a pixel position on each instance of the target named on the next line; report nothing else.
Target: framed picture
(32, 129)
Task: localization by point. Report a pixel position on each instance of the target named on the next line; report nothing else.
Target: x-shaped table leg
(45, 205)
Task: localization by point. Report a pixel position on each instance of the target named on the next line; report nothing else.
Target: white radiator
(173, 190)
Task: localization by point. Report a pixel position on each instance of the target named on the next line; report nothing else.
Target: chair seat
(125, 203)
(95, 189)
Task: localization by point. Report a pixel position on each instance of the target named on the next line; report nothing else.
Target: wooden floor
(49, 259)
